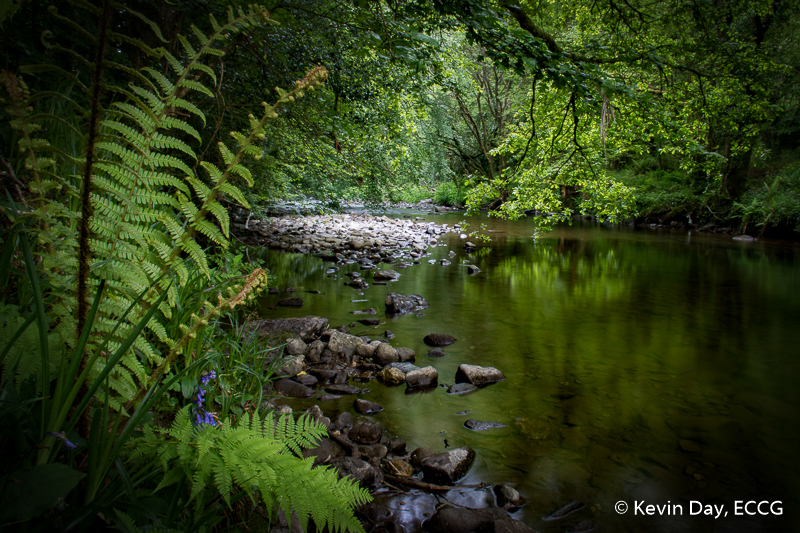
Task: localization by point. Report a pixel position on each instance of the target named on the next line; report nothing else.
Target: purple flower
(60, 436)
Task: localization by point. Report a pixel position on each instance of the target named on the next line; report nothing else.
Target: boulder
(438, 339)
(392, 375)
(423, 377)
(342, 343)
(365, 407)
(479, 376)
(296, 347)
(358, 470)
(291, 366)
(366, 431)
(291, 302)
(406, 355)
(399, 304)
(307, 327)
(448, 467)
(419, 455)
(365, 350)
(385, 355)
(292, 389)
(314, 353)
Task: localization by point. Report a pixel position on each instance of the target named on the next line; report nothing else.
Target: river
(651, 367)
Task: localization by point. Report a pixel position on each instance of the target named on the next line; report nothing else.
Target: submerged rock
(480, 425)
(291, 302)
(438, 339)
(448, 467)
(399, 304)
(479, 376)
(436, 352)
(365, 407)
(461, 388)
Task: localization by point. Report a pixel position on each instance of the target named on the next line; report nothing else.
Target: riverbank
(417, 489)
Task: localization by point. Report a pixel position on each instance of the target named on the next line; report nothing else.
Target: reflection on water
(641, 366)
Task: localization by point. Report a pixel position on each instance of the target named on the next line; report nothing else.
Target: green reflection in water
(640, 366)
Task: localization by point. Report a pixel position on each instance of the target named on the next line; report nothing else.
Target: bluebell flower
(60, 436)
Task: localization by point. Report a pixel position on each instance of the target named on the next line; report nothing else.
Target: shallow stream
(641, 366)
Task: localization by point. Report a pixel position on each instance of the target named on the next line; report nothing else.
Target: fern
(259, 457)
(149, 206)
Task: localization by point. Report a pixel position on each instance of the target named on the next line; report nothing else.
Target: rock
(291, 366)
(307, 327)
(291, 302)
(358, 283)
(392, 375)
(436, 352)
(388, 334)
(419, 455)
(343, 420)
(448, 467)
(469, 247)
(316, 413)
(355, 244)
(479, 425)
(296, 347)
(357, 470)
(398, 467)
(472, 269)
(423, 377)
(365, 407)
(366, 431)
(313, 355)
(584, 526)
(406, 354)
(325, 450)
(367, 311)
(461, 388)
(343, 389)
(450, 519)
(385, 275)
(744, 238)
(479, 376)
(292, 389)
(305, 379)
(385, 355)
(509, 525)
(397, 446)
(370, 321)
(438, 339)
(507, 497)
(405, 368)
(365, 350)
(398, 304)
(444, 262)
(342, 343)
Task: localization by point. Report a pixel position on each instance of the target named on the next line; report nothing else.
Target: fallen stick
(429, 486)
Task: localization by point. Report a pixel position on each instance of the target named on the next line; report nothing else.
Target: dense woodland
(130, 130)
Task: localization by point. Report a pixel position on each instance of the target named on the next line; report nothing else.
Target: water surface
(642, 366)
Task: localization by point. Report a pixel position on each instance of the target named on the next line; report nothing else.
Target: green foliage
(448, 193)
(257, 457)
(775, 203)
(664, 194)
